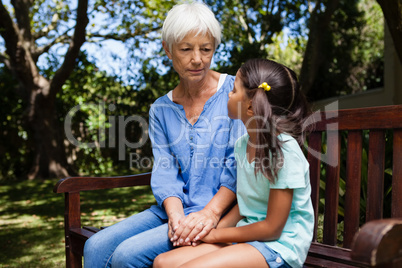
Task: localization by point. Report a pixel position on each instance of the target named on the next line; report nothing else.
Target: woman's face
(192, 56)
(238, 102)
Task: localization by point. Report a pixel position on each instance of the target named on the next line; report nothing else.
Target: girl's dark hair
(281, 109)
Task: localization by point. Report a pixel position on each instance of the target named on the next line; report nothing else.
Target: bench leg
(73, 260)
(72, 219)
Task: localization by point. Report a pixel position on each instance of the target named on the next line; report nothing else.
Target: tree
(39, 93)
(320, 19)
(392, 10)
(43, 33)
(328, 37)
(32, 29)
(250, 27)
(344, 52)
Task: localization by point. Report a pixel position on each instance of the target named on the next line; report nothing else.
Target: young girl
(274, 216)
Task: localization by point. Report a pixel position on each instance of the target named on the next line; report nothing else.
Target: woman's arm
(165, 181)
(279, 204)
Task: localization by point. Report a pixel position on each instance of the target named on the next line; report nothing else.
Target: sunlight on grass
(31, 222)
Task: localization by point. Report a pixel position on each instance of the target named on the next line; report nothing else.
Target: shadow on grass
(31, 222)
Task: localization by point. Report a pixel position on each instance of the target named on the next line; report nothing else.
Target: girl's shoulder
(241, 144)
(288, 141)
(242, 141)
(290, 146)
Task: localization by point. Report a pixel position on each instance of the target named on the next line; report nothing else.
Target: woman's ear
(250, 108)
(166, 48)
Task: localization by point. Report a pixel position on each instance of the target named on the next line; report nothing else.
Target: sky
(104, 58)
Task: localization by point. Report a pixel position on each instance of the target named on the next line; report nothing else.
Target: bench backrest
(345, 132)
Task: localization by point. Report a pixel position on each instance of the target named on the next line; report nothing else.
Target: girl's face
(192, 56)
(238, 103)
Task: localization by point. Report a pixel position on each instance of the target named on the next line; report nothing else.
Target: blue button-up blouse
(192, 162)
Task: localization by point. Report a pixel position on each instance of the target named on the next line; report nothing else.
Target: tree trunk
(392, 10)
(50, 158)
(40, 93)
(313, 58)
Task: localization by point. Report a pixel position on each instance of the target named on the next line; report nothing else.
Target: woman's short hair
(184, 18)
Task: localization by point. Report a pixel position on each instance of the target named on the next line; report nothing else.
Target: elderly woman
(193, 177)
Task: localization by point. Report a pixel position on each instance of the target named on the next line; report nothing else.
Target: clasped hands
(190, 230)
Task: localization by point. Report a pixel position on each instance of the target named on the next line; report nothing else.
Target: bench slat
(314, 158)
(321, 255)
(320, 261)
(91, 229)
(353, 182)
(382, 117)
(76, 184)
(375, 173)
(331, 188)
(396, 209)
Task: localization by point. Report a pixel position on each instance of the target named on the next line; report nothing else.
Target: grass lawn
(31, 219)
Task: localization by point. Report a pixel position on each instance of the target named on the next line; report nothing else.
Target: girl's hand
(209, 238)
(195, 227)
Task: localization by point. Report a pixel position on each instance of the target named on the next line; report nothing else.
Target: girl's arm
(231, 218)
(279, 204)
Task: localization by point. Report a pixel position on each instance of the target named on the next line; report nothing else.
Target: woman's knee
(96, 251)
(130, 254)
(92, 245)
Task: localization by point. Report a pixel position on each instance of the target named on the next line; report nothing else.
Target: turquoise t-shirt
(253, 193)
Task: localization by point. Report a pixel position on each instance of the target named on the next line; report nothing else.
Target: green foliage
(100, 101)
(15, 155)
(353, 54)
(251, 27)
(353, 59)
(354, 51)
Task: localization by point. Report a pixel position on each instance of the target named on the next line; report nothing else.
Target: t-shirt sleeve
(292, 174)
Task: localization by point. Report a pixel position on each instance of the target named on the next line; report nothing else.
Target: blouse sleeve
(228, 175)
(165, 180)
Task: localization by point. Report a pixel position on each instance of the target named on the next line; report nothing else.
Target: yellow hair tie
(265, 86)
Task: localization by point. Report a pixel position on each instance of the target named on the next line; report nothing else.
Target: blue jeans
(133, 242)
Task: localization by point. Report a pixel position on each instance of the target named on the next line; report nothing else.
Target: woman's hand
(174, 223)
(175, 213)
(198, 224)
(195, 227)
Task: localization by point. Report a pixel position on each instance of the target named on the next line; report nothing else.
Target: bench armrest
(75, 235)
(379, 242)
(77, 184)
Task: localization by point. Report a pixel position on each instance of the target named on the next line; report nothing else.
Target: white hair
(184, 18)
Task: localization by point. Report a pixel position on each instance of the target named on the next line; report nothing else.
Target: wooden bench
(368, 241)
